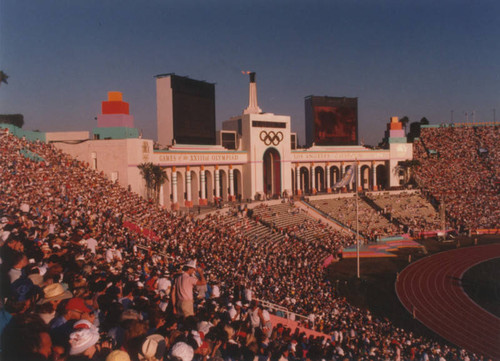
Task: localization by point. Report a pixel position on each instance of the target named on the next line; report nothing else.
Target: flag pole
(357, 220)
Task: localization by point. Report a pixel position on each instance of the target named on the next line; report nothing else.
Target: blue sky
(414, 58)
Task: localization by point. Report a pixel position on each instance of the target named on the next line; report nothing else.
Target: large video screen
(334, 121)
(193, 111)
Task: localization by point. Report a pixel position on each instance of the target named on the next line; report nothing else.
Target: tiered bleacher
(460, 165)
(87, 268)
(298, 226)
(372, 224)
(411, 209)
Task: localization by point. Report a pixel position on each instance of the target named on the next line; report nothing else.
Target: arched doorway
(272, 172)
(223, 185)
(195, 193)
(304, 179)
(238, 184)
(365, 176)
(334, 175)
(209, 187)
(181, 195)
(319, 181)
(381, 176)
(165, 192)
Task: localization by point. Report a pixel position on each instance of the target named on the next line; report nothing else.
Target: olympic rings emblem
(271, 137)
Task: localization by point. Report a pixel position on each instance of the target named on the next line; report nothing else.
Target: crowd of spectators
(411, 209)
(296, 225)
(372, 223)
(91, 271)
(459, 165)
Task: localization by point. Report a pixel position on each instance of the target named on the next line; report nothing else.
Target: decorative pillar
(217, 182)
(162, 195)
(188, 202)
(313, 180)
(358, 177)
(203, 189)
(298, 190)
(374, 177)
(175, 204)
(328, 182)
(231, 196)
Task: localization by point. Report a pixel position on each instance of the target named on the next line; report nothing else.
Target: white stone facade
(263, 165)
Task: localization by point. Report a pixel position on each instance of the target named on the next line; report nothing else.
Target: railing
(289, 315)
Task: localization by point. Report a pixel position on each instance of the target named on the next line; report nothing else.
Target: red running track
(431, 287)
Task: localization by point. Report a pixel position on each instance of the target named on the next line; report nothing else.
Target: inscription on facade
(339, 156)
(201, 158)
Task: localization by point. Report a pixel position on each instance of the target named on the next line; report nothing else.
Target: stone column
(374, 177)
(313, 180)
(217, 182)
(298, 190)
(203, 192)
(231, 196)
(175, 203)
(328, 183)
(162, 195)
(188, 202)
(358, 177)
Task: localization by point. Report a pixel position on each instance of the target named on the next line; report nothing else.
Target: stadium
(100, 233)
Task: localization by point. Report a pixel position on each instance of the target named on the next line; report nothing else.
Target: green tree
(415, 129)
(155, 177)
(407, 167)
(14, 119)
(159, 178)
(146, 170)
(404, 120)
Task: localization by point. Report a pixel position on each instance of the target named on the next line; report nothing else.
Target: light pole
(357, 220)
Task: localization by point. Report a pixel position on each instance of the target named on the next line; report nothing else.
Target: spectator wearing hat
(182, 351)
(83, 340)
(182, 292)
(153, 348)
(74, 311)
(53, 294)
(118, 355)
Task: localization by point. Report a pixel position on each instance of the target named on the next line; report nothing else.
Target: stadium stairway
(320, 215)
(379, 210)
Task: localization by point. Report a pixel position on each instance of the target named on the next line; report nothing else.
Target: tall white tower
(253, 107)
